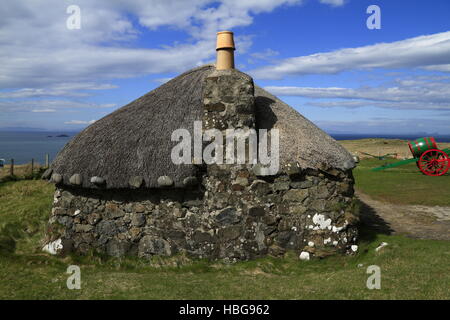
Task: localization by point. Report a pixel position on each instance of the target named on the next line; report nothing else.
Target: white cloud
(432, 93)
(64, 89)
(79, 122)
(265, 55)
(39, 51)
(162, 80)
(334, 3)
(388, 126)
(43, 110)
(428, 52)
(57, 105)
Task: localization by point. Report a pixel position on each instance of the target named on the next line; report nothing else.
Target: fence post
(32, 166)
(46, 161)
(11, 169)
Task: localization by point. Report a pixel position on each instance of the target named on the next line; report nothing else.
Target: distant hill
(22, 129)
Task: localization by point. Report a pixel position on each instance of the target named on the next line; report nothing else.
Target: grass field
(380, 147)
(410, 269)
(20, 171)
(402, 185)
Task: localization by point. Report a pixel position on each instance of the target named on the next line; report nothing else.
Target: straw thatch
(300, 140)
(134, 142)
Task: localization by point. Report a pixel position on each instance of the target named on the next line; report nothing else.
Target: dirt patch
(422, 222)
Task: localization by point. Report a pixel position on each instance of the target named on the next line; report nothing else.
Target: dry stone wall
(237, 216)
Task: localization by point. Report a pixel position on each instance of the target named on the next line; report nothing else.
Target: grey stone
(229, 233)
(241, 181)
(298, 209)
(293, 169)
(178, 213)
(281, 184)
(57, 178)
(226, 216)
(319, 192)
(136, 182)
(190, 181)
(192, 203)
(302, 184)
(150, 245)
(117, 248)
(65, 221)
(57, 211)
(98, 180)
(345, 189)
(47, 174)
(256, 211)
(129, 208)
(260, 187)
(200, 236)
(93, 218)
(217, 107)
(75, 179)
(106, 228)
(296, 195)
(83, 227)
(319, 205)
(113, 211)
(137, 220)
(349, 164)
(139, 208)
(261, 170)
(165, 181)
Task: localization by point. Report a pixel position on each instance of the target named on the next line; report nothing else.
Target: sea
(24, 146)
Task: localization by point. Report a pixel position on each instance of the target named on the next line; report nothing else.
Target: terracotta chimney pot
(225, 50)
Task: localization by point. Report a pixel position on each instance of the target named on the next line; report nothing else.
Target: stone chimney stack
(225, 50)
(228, 96)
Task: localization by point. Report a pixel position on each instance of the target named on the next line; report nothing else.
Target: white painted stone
(354, 248)
(311, 244)
(77, 212)
(319, 219)
(304, 256)
(381, 246)
(326, 241)
(335, 243)
(53, 247)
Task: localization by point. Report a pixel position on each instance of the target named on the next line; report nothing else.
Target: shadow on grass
(371, 224)
(9, 233)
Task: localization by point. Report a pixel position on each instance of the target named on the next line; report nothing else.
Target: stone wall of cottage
(241, 216)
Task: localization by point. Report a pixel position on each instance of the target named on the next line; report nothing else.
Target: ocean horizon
(24, 146)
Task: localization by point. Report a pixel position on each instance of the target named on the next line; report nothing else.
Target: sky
(319, 56)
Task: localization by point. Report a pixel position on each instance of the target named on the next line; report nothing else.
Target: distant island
(59, 136)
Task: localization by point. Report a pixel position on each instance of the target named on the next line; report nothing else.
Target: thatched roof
(134, 142)
(300, 140)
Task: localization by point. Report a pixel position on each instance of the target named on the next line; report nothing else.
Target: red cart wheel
(434, 162)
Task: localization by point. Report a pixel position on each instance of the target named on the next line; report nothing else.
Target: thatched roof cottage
(119, 190)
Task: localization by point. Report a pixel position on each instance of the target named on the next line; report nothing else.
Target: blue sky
(317, 55)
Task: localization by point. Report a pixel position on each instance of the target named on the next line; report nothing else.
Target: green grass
(411, 269)
(402, 185)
